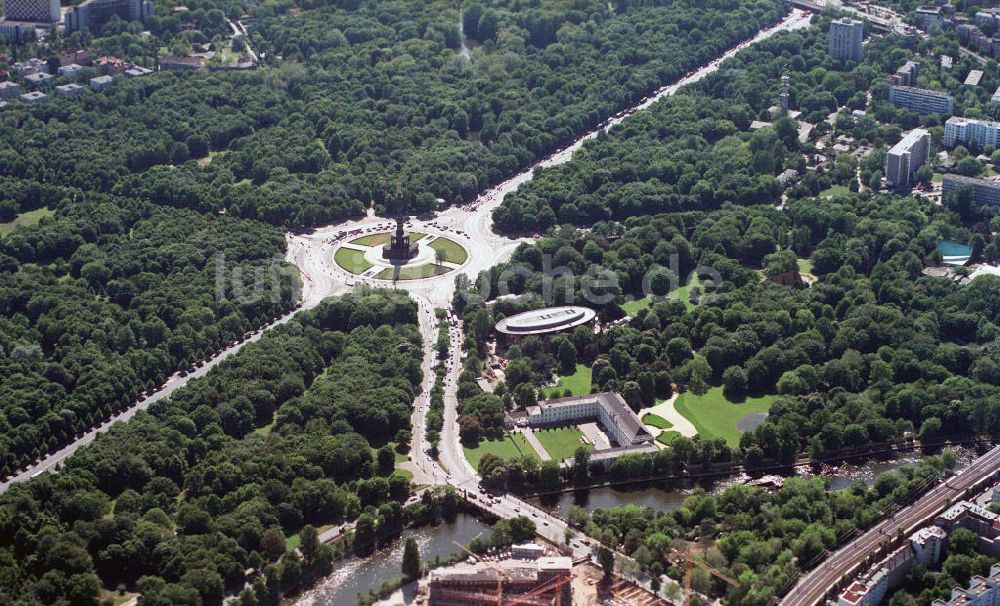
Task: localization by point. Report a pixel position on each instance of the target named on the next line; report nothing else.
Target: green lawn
(937, 178)
(835, 190)
(715, 417)
(805, 266)
(383, 238)
(503, 448)
(634, 307)
(578, 383)
(681, 293)
(656, 421)
(452, 251)
(293, 541)
(667, 437)
(372, 239)
(351, 260)
(427, 270)
(561, 443)
(27, 218)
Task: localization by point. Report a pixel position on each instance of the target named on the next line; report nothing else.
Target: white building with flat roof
(975, 132)
(906, 157)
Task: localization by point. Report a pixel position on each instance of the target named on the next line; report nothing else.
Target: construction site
(530, 574)
(526, 575)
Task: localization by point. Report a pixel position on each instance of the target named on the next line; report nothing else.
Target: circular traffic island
(436, 255)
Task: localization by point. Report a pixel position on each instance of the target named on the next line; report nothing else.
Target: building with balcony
(906, 75)
(906, 157)
(94, 14)
(921, 100)
(972, 132)
(33, 11)
(984, 191)
(846, 36)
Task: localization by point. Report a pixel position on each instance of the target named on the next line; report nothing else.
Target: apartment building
(984, 191)
(972, 132)
(906, 157)
(93, 14)
(906, 75)
(921, 100)
(34, 11)
(845, 39)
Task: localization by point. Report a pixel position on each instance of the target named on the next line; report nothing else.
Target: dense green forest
(869, 352)
(107, 298)
(179, 502)
(365, 94)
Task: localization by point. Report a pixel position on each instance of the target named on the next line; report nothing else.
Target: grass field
(835, 190)
(578, 383)
(561, 443)
(504, 448)
(805, 266)
(634, 307)
(383, 238)
(937, 178)
(28, 218)
(351, 260)
(372, 239)
(656, 421)
(427, 270)
(681, 293)
(715, 417)
(667, 437)
(452, 251)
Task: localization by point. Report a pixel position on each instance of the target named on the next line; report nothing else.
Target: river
(359, 575)
(670, 497)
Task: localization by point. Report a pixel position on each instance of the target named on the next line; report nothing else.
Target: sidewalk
(530, 436)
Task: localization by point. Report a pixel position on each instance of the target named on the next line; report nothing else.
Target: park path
(530, 437)
(668, 411)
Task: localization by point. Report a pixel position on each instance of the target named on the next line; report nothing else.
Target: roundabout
(436, 255)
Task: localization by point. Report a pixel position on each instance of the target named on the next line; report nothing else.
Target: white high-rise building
(845, 39)
(975, 132)
(906, 157)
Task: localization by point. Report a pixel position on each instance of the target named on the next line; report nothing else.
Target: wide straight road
(814, 586)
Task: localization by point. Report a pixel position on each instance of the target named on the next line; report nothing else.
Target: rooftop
(908, 141)
(546, 320)
(959, 121)
(921, 91)
(616, 408)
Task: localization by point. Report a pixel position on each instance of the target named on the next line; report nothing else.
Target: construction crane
(553, 584)
(501, 573)
(689, 563)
